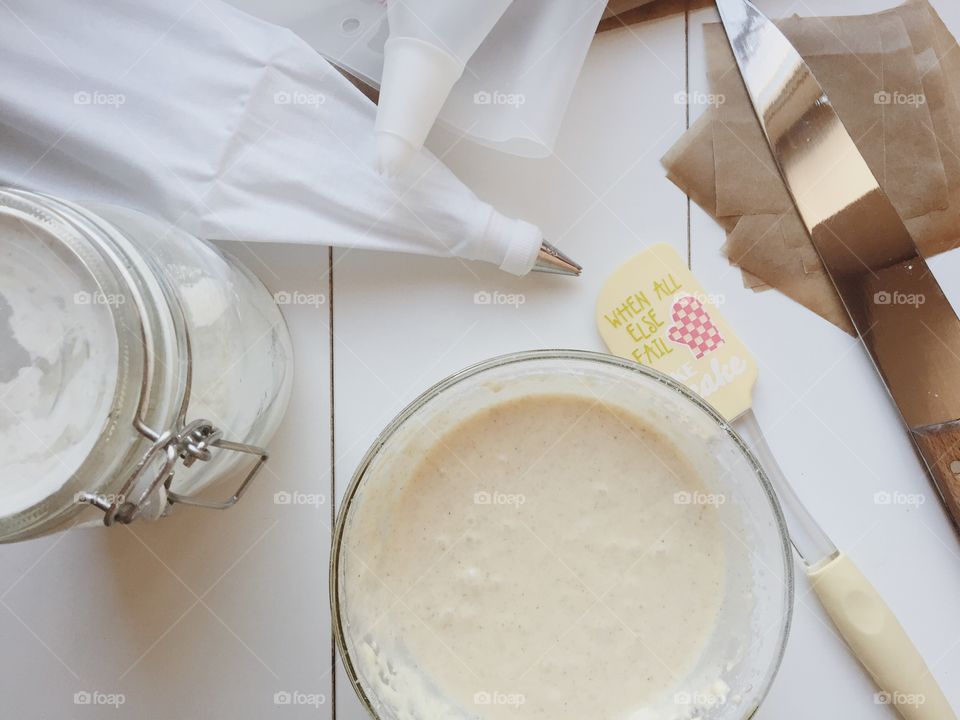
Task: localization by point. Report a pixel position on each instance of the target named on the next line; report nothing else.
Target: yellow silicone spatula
(653, 310)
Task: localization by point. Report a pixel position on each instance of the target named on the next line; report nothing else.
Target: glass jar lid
(72, 359)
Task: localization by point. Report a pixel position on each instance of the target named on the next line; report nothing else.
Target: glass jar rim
(149, 355)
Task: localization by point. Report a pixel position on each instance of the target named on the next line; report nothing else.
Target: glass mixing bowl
(753, 621)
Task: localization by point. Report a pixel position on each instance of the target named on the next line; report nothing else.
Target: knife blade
(895, 303)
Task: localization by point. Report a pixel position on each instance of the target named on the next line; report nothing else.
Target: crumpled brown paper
(894, 78)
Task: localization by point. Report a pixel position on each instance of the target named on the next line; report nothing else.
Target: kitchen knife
(894, 301)
(899, 310)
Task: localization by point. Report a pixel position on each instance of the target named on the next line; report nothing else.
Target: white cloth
(226, 125)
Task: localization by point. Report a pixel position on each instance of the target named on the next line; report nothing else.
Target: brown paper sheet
(757, 246)
(911, 146)
(866, 64)
(752, 282)
(938, 231)
(746, 176)
(693, 156)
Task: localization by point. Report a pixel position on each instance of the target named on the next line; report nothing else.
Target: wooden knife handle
(940, 447)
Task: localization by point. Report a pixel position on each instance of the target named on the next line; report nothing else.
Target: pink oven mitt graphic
(693, 327)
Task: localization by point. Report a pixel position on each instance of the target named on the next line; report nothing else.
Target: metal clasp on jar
(191, 443)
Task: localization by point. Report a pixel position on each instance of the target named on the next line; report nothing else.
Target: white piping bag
(227, 126)
(515, 88)
(430, 43)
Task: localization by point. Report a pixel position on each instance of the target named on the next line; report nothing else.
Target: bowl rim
(336, 608)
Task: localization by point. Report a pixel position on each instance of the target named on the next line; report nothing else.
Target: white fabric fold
(224, 124)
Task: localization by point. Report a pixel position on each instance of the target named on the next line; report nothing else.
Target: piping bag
(515, 83)
(518, 52)
(429, 45)
(653, 311)
(227, 126)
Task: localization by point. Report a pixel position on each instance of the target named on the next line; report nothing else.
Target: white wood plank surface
(211, 614)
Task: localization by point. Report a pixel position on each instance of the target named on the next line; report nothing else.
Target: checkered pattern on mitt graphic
(693, 327)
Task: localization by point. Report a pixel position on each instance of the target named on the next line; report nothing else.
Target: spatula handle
(879, 641)
(940, 447)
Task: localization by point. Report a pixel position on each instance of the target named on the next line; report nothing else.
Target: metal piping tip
(551, 260)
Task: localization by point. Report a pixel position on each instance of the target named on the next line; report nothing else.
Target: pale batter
(543, 560)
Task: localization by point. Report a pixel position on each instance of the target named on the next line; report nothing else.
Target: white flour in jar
(543, 560)
(115, 328)
(58, 365)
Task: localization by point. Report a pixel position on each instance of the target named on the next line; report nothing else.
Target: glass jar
(138, 366)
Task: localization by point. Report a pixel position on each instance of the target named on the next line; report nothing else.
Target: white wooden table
(211, 614)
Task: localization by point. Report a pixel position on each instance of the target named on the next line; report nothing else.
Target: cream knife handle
(879, 641)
